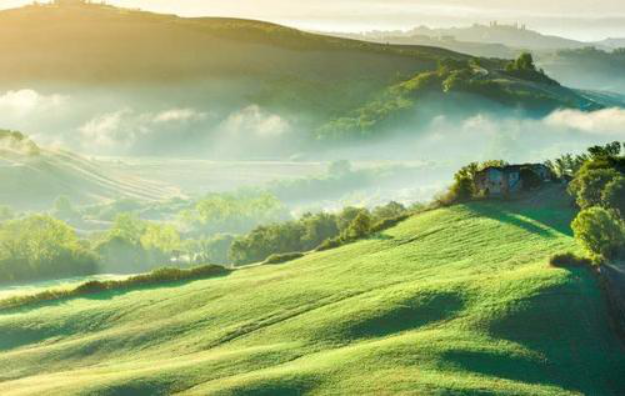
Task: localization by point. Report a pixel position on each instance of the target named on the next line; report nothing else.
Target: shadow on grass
(289, 384)
(411, 314)
(545, 222)
(567, 329)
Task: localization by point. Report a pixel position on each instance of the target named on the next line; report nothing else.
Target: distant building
(511, 179)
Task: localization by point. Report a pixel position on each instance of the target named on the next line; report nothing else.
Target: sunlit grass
(452, 301)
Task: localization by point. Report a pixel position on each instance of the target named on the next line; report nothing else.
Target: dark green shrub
(600, 233)
(388, 223)
(330, 243)
(91, 287)
(282, 258)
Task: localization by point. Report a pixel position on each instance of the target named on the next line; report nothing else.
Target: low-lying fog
(202, 145)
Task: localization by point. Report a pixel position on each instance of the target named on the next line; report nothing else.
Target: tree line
(41, 247)
(313, 231)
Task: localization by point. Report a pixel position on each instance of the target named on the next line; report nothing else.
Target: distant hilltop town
(495, 24)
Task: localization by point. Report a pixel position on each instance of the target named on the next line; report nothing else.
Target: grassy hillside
(453, 301)
(35, 180)
(122, 45)
(228, 61)
(460, 88)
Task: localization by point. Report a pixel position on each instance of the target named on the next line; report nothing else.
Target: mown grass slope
(35, 181)
(452, 301)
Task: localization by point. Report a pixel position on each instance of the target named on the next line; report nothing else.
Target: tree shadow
(496, 212)
(544, 219)
(288, 384)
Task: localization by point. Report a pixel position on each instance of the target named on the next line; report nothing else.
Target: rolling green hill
(229, 61)
(452, 301)
(227, 64)
(33, 180)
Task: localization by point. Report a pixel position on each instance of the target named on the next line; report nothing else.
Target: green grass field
(452, 301)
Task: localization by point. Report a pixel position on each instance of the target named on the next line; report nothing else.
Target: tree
(600, 233)
(360, 227)
(588, 186)
(128, 227)
(317, 229)
(610, 150)
(214, 250)
(119, 255)
(525, 61)
(613, 196)
(163, 238)
(463, 188)
(41, 247)
(391, 210)
(567, 165)
(233, 213)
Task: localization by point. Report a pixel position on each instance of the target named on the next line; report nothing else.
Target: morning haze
(349, 197)
(580, 19)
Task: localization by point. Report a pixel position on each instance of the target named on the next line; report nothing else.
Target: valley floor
(453, 301)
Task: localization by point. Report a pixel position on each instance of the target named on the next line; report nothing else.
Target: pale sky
(581, 19)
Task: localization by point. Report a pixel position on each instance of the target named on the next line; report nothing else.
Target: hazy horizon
(576, 19)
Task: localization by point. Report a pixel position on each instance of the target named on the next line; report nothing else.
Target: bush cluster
(276, 259)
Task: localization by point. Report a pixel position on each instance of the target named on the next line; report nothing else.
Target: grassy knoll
(452, 301)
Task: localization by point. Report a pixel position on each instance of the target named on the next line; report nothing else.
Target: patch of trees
(523, 67)
(314, 231)
(214, 249)
(232, 213)
(40, 247)
(599, 190)
(133, 245)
